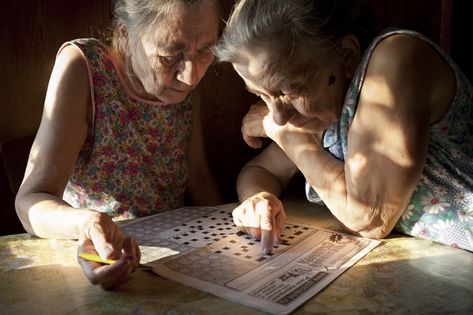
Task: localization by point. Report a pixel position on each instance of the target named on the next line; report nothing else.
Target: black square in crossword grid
(202, 231)
(169, 220)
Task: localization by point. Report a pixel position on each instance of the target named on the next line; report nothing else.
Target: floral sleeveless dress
(441, 207)
(134, 160)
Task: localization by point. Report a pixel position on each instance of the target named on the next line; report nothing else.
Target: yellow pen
(97, 258)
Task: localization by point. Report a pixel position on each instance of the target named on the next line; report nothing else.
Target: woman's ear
(351, 54)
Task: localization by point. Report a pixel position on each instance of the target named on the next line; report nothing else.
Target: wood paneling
(462, 27)
(30, 34)
(430, 17)
(225, 102)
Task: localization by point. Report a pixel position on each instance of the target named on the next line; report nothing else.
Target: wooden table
(403, 275)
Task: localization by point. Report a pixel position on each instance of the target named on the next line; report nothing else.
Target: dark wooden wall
(31, 32)
(462, 28)
(430, 17)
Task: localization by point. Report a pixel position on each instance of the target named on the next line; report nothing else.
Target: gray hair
(138, 17)
(284, 28)
(141, 15)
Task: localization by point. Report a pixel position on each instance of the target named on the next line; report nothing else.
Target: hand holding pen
(101, 236)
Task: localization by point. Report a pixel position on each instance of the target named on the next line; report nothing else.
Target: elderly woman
(382, 132)
(120, 137)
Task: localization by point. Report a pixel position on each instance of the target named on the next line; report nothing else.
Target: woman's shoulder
(88, 43)
(412, 64)
(91, 48)
(398, 50)
(98, 56)
(406, 54)
(71, 59)
(406, 48)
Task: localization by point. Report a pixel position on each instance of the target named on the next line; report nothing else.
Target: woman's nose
(188, 72)
(282, 112)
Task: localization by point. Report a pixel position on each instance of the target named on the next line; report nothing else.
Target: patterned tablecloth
(404, 275)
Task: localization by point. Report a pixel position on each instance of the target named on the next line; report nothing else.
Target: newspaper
(201, 248)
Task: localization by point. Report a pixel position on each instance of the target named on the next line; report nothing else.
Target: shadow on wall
(462, 24)
(31, 32)
(13, 157)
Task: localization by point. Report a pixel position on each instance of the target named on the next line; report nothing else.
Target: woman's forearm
(326, 175)
(254, 179)
(47, 216)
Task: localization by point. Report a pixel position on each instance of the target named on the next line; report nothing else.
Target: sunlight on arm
(357, 162)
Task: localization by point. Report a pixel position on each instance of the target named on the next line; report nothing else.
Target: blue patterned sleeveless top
(441, 207)
(134, 160)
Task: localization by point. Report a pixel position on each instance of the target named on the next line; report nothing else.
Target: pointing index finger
(267, 224)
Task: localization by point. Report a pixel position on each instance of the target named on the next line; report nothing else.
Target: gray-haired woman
(382, 132)
(120, 137)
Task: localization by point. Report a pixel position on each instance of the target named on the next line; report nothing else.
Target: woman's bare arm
(270, 171)
(62, 132)
(387, 140)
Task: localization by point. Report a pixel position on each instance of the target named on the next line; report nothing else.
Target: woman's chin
(176, 100)
(171, 96)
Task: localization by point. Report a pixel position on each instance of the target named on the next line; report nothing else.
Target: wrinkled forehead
(185, 22)
(260, 69)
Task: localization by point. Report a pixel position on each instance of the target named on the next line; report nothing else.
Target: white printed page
(200, 247)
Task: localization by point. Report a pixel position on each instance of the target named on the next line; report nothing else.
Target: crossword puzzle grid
(206, 241)
(203, 225)
(244, 247)
(233, 256)
(205, 230)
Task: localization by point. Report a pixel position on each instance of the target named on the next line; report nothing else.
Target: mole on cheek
(331, 79)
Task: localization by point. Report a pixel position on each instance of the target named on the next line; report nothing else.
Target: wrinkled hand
(262, 216)
(258, 123)
(100, 235)
(252, 125)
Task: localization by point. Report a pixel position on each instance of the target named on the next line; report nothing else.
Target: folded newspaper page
(201, 248)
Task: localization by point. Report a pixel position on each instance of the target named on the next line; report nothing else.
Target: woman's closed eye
(169, 61)
(293, 90)
(206, 50)
(206, 53)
